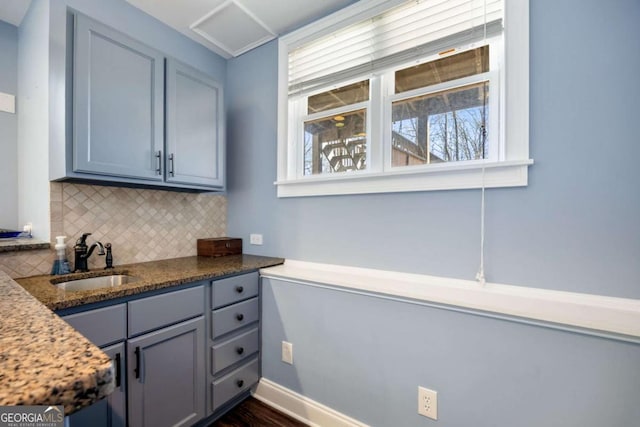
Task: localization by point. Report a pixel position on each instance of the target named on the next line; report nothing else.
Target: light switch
(7, 103)
(287, 352)
(255, 239)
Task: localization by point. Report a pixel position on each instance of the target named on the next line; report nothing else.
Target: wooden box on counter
(219, 246)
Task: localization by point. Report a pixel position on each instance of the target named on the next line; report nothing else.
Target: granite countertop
(43, 360)
(152, 275)
(22, 244)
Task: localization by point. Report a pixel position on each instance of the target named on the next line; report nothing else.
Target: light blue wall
(365, 357)
(8, 127)
(33, 119)
(575, 227)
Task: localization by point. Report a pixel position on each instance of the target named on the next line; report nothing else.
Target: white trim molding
(466, 175)
(612, 317)
(300, 407)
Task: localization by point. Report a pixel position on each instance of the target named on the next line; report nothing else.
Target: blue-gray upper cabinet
(194, 126)
(118, 104)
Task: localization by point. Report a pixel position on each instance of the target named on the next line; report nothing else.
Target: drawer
(234, 316)
(234, 350)
(101, 326)
(234, 289)
(151, 313)
(234, 383)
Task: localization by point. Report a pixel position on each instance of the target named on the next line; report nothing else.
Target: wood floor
(253, 413)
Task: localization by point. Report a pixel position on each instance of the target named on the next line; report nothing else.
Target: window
(405, 96)
(335, 131)
(448, 124)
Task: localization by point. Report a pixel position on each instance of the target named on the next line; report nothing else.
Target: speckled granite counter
(22, 244)
(152, 275)
(43, 360)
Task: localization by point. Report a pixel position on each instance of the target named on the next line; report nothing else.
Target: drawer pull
(240, 317)
(240, 383)
(136, 370)
(118, 369)
(171, 160)
(159, 168)
(239, 289)
(240, 350)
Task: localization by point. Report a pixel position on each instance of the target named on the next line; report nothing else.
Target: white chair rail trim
(566, 310)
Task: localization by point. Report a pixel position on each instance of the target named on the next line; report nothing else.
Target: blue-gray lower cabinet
(106, 328)
(181, 356)
(234, 339)
(112, 411)
(166, 375)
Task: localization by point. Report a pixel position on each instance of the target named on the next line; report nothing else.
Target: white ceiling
(12, 11)
(227, 27)
(232, 27)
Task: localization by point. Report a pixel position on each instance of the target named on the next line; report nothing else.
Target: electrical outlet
(428, 403)
(287, 352)
(255, 239)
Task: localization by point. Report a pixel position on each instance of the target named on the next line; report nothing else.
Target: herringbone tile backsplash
(141, 224)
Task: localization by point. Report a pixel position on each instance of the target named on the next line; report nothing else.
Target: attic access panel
(233, 28)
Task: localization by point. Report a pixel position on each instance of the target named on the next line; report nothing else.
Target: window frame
(496, 104)
(509, 169)
(299, 120)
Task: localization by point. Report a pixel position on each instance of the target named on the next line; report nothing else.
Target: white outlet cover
(428, 403)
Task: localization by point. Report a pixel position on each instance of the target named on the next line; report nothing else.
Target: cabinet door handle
(240, 350)
(159, 162)
(240, 383)
(240, 317)
(136, 370)
(171, 157)
(239, 289)
(118, 369)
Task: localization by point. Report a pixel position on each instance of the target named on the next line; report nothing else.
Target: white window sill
(460, 176)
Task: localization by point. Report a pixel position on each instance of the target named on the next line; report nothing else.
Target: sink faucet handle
(82, 241)
(109, 257)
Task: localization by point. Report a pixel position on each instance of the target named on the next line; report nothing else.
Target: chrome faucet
(83, 252)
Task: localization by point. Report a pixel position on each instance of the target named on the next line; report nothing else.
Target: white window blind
(414, 29)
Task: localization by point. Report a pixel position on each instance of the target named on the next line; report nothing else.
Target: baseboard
(300, 407)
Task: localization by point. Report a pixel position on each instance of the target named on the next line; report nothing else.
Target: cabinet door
(195, 127)
(112, 411)
(118, 104)
(166, 372)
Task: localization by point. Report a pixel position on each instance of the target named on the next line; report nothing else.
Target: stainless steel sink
(97, 282)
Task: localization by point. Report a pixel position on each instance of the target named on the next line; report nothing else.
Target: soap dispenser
(60, 265)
